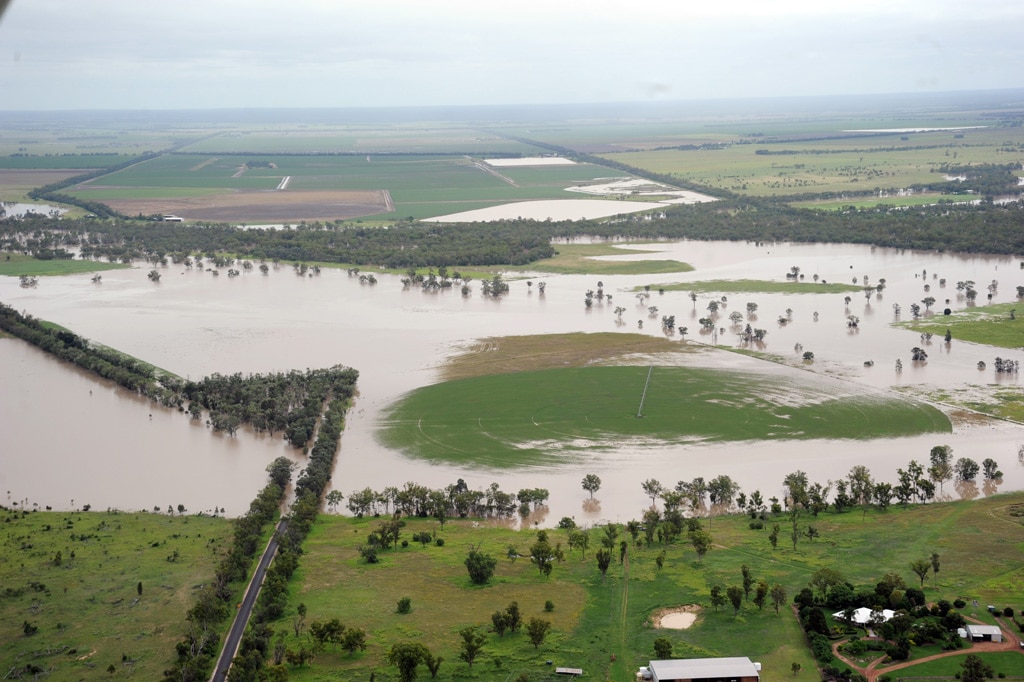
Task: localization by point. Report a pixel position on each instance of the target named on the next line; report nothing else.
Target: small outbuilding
(736, 669)
(984, 633)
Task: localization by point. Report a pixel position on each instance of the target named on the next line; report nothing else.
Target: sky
(198, 54)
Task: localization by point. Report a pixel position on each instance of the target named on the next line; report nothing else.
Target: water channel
(70, 439)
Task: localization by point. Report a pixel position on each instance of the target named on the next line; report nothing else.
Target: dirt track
(1010, 643)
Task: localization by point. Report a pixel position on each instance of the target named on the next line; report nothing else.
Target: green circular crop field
(544, 417)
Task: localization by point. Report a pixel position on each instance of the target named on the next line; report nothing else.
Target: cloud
(201, 53)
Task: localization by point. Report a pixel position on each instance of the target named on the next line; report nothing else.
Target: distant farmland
(244, 188)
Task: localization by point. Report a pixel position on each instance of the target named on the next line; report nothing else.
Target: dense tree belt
(291, 403)
(197, 652)
(52, 192)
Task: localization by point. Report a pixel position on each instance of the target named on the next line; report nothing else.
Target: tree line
(197, 651)
(288, 402)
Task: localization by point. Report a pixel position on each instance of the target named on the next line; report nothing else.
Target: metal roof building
(984, 632)
(738, 669)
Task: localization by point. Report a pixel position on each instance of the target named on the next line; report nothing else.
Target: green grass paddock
(17, 264)
(543, 416)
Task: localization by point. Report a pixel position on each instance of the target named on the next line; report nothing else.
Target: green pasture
(928, 199)
(81, 162)
(86, 605)
(17, 264)
(579, 259)
(988, 325)
(832, 165)
(566, 416)
(1008, 663)
(603, 624)
(752, 286)
(71, 139)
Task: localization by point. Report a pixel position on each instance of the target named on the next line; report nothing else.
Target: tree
(702, 542)
(407, 656)
(748, 580)
(717, 599)
(326, 631)
(354, 639)
(591, 484)
(433, 663)
(920, 567)
(991, 469)
(736, 597)
(541, 554)
(796, 668)
(537, 629)
(941, 469)
(515, 618)
(761, 594)
(778, 593)
(604, 560)
(653, 488)
(935, 562)
(472, 644)
(334, 498)
(480, 566)
(796, 484)
(966, 469)
(825, 578)
(662, 648)
(975, 669)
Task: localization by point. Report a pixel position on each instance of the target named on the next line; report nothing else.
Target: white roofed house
(865, 616)
(737, 669)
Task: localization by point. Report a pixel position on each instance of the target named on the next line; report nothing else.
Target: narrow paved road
(252, 592)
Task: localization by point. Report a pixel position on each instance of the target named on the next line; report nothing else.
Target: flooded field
(72, 440)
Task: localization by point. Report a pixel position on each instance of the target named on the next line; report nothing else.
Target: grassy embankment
(756, 286)
(602, 625)
(87, 606)
(17, 264)
(837, 165)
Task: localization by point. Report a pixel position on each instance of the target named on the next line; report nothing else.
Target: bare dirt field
(261, 206)
(35, 178)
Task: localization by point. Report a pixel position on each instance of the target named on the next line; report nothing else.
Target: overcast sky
(149, 54)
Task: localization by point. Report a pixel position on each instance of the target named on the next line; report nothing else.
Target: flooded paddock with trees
(75, 440)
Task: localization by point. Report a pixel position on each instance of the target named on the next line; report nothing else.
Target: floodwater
(70, 439)
(15, 209)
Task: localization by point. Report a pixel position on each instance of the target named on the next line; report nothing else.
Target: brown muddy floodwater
(65, 447)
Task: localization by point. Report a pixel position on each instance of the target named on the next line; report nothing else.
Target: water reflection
(61, 444)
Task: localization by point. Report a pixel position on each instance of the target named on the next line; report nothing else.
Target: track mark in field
(203, 164)
(480, 423)
(241, 171)
(490, 171)
(283, 185)
(624, 610)
(419, 427)
(386, 196)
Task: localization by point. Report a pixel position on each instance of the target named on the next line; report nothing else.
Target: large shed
(736, 669)
(984, 633)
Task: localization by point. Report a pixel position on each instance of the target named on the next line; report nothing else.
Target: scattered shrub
(404, 605)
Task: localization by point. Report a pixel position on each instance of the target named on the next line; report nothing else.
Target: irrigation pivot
(643, 396)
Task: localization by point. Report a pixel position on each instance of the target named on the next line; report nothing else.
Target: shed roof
(702, 668)
(973, 629)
